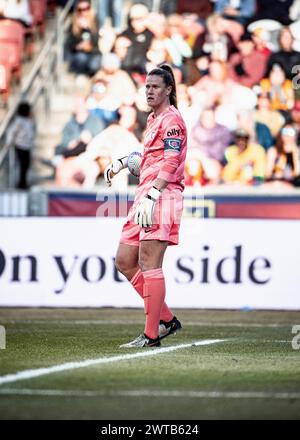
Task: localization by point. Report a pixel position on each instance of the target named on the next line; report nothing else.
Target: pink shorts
(167, 217)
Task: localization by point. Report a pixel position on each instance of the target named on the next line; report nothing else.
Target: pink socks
(138, 281)
(154, 296)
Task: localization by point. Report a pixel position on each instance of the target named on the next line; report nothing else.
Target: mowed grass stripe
(123, 322)
(30, 374)
(200, 394)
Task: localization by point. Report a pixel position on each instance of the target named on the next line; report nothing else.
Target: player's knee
(146, 262)
(121, 264)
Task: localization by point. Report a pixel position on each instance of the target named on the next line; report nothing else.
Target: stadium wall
(227, 264)
(197, 203)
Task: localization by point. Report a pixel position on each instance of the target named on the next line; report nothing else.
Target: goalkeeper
(154, 219)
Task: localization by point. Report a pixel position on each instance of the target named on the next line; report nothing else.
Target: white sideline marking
(29, 374)
(268, 341)
(147, 393)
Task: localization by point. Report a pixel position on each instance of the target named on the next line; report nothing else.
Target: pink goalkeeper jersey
(165, 146)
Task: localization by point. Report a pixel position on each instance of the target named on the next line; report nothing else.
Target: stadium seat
(38, 9)
(12, 31)
(12, 37)
(5, 76)
(13, 58)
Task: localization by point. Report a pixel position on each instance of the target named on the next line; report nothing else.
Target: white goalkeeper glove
(145, 209)
(114, 168)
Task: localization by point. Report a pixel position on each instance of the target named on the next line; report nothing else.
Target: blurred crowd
(237, 68)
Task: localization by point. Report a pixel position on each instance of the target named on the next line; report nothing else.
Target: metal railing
(39, 82)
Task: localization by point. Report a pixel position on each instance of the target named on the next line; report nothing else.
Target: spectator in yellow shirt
(245, 161)
(280, 89)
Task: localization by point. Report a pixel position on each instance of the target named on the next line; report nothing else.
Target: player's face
(157, 93)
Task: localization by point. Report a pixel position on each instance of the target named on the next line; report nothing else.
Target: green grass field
(254, 373)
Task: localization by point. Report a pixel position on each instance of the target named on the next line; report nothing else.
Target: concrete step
(50, 126)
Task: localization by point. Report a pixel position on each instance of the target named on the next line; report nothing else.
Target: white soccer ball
(134, 163)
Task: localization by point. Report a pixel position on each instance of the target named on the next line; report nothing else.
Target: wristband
(153, 194)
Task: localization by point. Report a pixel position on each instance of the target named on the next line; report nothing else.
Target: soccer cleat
(142, 341)
(168, 328)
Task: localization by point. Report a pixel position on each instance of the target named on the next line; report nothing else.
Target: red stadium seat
(13, 57)
(38, 9)
(12, 37)
(12, 31)
(5, 77)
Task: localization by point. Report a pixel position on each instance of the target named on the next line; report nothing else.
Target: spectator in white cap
(120, 87)
(101, 104)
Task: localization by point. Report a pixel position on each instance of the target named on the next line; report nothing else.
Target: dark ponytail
(166, 72)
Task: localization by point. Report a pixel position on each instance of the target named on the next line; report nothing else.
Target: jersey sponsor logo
(172, 144)
(174, 132)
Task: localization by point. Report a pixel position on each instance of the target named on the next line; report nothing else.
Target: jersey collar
(152, 116)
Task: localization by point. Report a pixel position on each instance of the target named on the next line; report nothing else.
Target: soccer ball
(134, 163)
